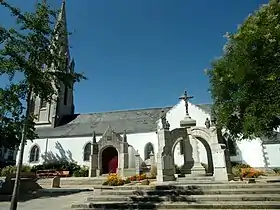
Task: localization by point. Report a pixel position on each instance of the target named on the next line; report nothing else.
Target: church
(125, 139)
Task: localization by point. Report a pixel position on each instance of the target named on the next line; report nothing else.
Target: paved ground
(49, 203)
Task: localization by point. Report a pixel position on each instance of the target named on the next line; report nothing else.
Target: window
(87, 152)
(147, 150)
(43, 104)
(34, 154)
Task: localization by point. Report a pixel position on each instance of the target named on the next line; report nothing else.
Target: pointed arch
(87, 151)
(149, 147)
(34, 154)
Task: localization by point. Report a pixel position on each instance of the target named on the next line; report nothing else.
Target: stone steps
(180, 205)
(176, 196)
(187, 192)
(188, 198)
(176, 185)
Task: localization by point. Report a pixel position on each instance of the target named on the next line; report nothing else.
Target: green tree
(245, 81)
(38, 41)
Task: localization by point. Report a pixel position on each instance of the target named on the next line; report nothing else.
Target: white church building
(64, 135)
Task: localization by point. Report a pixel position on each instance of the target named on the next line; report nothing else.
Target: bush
(13, 169)
(114, 180)
(82, 172)
(250, 173)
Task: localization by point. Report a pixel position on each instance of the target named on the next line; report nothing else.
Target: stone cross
(186, 98)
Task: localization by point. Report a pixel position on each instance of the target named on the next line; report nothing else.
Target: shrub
(114, 180)
(13, 169)
(250, 173)
(82, 172)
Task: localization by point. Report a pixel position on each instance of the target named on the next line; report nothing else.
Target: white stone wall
(73, 148)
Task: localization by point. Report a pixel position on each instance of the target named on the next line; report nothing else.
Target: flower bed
(250, 173)
(115, 180)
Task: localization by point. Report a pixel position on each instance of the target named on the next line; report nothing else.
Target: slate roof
(205, 107)
(133, 121)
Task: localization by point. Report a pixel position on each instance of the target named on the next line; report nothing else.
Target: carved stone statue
(186, 98)
(207, 123)
(164, 122)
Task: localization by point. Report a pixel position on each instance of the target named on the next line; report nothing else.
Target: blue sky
(144, 53)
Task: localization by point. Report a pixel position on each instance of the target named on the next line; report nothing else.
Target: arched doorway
(109, 160)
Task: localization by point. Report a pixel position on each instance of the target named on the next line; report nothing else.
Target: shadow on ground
(151, 199)
(23, 197)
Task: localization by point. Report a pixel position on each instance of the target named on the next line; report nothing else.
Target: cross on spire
(186, 98)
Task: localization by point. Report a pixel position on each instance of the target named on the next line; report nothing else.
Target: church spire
(62, 32)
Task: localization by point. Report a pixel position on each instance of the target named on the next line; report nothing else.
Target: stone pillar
(123, 157)
(93, 167)
(165, 166)
(137, 164)
(188, 159)
(152, 159)
(197, 168)
(220, 168)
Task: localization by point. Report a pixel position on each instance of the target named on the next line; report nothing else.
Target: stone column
(152, 159)
(197, 168)
(137, 164)
(165, 166)
(220, 168)
(187, 154)
(93, 168)
(123, 157)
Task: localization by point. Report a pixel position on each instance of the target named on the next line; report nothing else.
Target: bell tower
(50, 113)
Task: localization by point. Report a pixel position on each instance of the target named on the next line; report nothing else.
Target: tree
(38, 42)
(245, 81)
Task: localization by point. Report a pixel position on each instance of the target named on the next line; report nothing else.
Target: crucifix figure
(186, 98)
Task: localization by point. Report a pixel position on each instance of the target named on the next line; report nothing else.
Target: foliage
(82, 172)
(114, 180)
(37, 53)
(250, 173)
(12, 169)
(60, 166)
(237, 167)
(245, 81)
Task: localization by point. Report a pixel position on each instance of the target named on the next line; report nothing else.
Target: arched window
(34, 154)
(87, 152)
(147, 150)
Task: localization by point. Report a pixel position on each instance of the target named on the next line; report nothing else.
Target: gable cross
(186, 98)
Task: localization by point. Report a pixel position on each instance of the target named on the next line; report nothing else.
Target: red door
(113, 165)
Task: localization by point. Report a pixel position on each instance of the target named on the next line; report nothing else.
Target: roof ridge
(125, 110)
